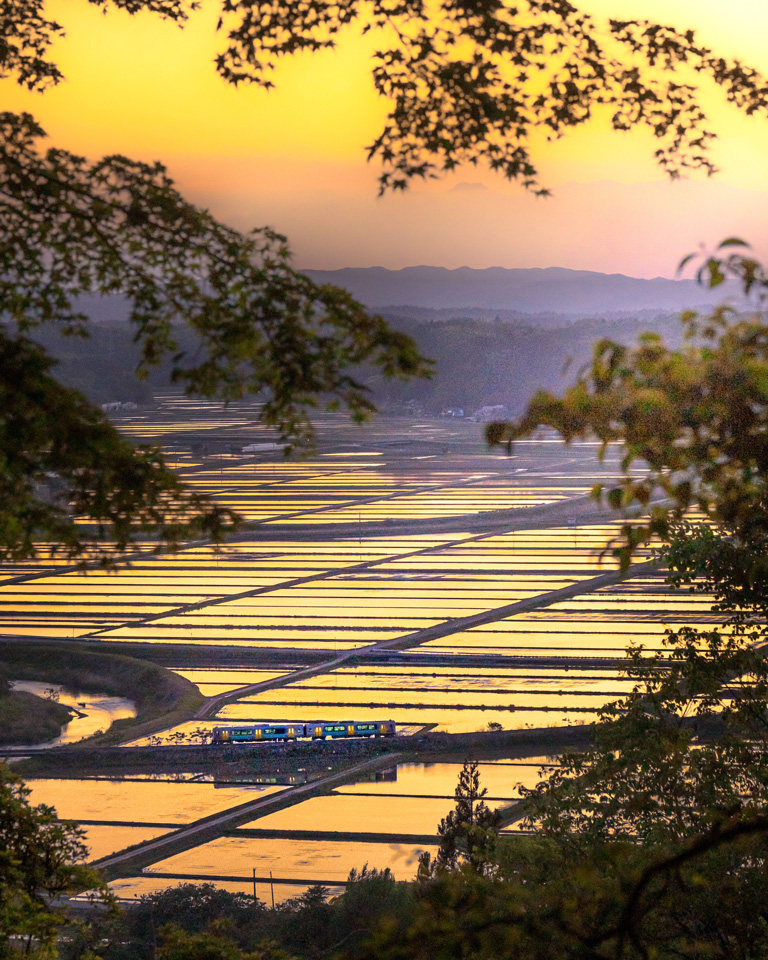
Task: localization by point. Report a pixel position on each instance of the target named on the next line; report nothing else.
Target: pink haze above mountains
(294, 157)
(638, 229)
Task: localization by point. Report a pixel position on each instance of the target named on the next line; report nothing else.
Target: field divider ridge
(436, 632)
(134, 861)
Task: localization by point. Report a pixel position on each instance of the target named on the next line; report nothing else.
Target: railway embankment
(248, 760)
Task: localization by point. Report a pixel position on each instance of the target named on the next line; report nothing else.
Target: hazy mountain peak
(468, 186)
(528, 290)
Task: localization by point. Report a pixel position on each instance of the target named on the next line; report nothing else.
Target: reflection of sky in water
(451, 721)
(449, 679)
(451, 700)
(440, 779)
(287, 638)
(212, 682)
(105, 840)
(351, 699)
(392, 598)
(350, 606)
(367, 814)
(414, 803)
(312, 860)
(142, 801)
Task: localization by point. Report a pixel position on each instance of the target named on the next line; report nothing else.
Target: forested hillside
(480, 360)
(487, 362)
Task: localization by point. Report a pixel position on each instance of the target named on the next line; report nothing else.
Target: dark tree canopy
(470, 80)
(41, 858)
(692, 423)
(467, 82)
(468, 833)
(69, 226)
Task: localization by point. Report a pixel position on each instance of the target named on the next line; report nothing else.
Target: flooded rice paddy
(402, 811)
(408, 559)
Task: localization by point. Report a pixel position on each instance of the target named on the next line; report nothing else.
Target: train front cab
(372, 729)
(381, 728)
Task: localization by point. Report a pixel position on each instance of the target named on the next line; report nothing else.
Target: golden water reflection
(500, 778)
(95, 712)
(102, 841)
(387, 815)
(314, 861)
(444, 719)
(147, 801)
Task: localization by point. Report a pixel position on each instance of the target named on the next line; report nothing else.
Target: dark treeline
(103, 365)
(489, 361)
(202, 921)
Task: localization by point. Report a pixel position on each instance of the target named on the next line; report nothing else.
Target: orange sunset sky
(294, 158)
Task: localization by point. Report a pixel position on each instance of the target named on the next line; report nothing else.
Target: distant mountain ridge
(525, 290)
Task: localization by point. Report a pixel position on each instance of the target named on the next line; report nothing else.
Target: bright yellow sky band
(145, 88)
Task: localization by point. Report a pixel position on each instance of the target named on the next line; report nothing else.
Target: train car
(258, 732)
(317, 730)
(346, 728)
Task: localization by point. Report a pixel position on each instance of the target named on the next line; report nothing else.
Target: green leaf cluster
(468, 833)
(41, 859)
(692, 425)
(68, 227)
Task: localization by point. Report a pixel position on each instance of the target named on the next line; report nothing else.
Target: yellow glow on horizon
(295, 157)
(137, 84)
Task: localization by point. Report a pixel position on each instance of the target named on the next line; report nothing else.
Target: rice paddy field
(429, 580)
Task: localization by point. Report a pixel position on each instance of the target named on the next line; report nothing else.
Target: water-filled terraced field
(319, 840)
(423, 578)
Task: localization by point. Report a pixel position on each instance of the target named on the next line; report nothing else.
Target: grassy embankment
(162, 698)
(27, 719)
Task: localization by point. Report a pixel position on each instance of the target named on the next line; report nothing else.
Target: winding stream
(95, 711)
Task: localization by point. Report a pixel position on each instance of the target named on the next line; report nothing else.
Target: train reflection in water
(317, 730)
(301, 776)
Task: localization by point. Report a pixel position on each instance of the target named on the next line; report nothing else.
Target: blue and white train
(317, 730)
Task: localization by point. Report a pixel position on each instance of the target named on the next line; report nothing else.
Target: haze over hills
(534, 290)
(496, 335)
